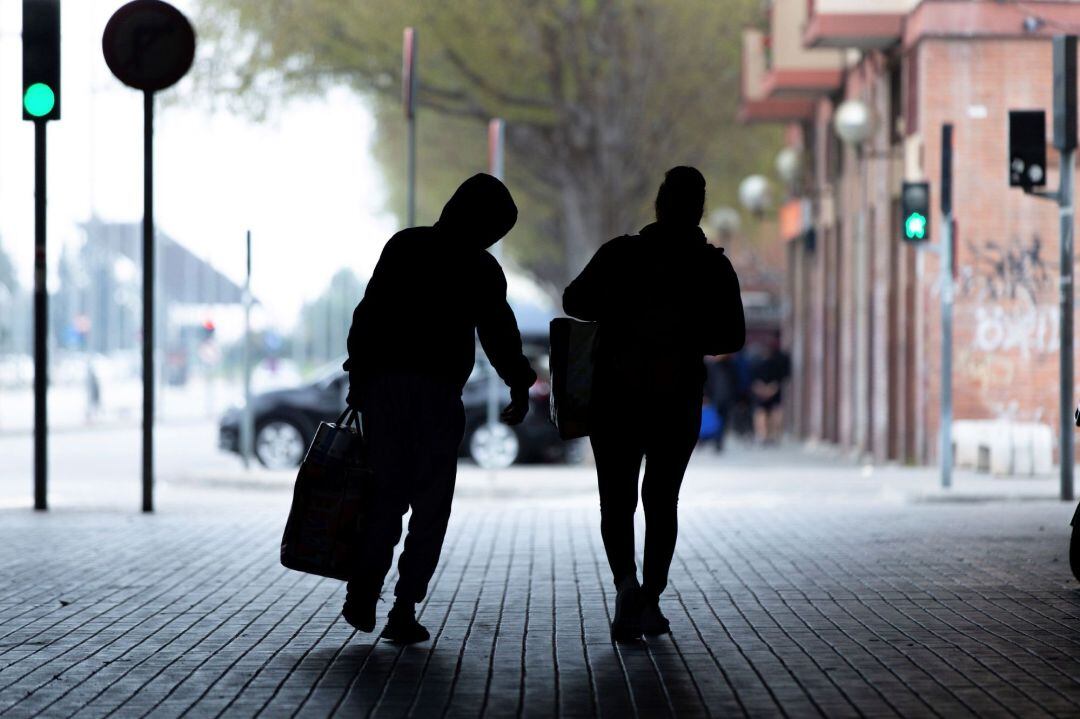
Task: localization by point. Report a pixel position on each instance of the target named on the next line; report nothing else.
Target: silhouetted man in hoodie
(411, 349)
(663, 299)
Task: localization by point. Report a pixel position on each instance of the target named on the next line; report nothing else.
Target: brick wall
(866, 311)
(1006, 313)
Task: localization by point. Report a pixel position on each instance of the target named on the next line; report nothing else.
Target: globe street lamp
(789, 165)
(854, 122)
(725, 221)
(755, 194)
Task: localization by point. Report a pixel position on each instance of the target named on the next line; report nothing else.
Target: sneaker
(626, 627)
(402, 627)
(653, 621)
(360, 612)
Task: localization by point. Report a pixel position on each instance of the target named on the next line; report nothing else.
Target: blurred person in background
(93, 392)
(412, 345)
(720, 387)
(663, 299)
(768, 373)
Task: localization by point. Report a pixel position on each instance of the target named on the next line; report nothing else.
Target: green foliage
(600, 97)
(324, 322)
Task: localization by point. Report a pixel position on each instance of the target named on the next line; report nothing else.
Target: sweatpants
(663, 433)
(413, 426)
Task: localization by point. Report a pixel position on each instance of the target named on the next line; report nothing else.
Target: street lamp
(755, 194)
(789, 165)
(726, 221)
(854, 122)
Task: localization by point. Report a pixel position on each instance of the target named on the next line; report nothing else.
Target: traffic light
(41, 60)
(1027, 148)
(208, 330)
(915, 211)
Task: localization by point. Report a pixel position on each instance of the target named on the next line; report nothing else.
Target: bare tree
(600, 96)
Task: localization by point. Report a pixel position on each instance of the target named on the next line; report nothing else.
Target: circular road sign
(148, 45)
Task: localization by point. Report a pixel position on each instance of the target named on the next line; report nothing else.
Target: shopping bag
(712, 424)
(573, 345)
(329, 502)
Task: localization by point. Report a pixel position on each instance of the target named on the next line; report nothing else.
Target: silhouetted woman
(664, 299)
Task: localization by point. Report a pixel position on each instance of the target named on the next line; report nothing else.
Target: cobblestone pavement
(795, 592)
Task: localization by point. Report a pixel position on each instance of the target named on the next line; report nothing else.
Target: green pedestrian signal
(41, 60)
(39, 99)
(915, 211)
(915, 226)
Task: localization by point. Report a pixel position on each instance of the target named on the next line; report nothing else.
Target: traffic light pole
(1065, 141)
(41, 325)
(1065, 205)
(947, 262)
(148, 305)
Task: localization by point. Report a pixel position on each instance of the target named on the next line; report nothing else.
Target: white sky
(304, 182)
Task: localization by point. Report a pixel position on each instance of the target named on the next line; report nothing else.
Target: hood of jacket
(480, 212)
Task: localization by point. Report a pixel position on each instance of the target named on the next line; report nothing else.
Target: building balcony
(855, 23)
(771, 94)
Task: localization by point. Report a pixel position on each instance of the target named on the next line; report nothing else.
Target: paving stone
(864, 608)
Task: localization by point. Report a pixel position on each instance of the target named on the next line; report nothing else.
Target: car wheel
(494, 446)
(279, 444)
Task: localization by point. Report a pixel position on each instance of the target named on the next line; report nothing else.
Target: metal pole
(1065, 202)
(41, 326)
(946, 306)
(496, 138)
(148, 305)
(410, 47)
(247, 422)
(410, 211)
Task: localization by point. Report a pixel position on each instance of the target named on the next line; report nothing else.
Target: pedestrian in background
(769, 372)
(663, 299)
(412, 346)
(720, 389)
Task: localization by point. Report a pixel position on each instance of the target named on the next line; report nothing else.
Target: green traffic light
(39, 99)
(915, 226)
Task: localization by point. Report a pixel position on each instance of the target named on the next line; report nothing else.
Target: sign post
(408, 93)
(496, 140)
(148, 45)
(247, 426)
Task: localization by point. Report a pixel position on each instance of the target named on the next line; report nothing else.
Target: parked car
(286, 419)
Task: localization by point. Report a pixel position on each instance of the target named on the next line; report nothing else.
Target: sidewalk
(801, 587)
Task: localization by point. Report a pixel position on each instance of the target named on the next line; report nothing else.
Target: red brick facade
(863, 319)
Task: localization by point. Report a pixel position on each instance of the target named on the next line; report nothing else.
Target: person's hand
(515, 412)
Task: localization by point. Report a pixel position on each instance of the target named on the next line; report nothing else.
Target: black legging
(664, 434)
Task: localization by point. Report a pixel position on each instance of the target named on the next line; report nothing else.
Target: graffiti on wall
(1012, 289)
(1028, 328)
(994, 271)
(987, 371)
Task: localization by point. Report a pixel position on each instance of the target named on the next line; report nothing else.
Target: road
(101, 466)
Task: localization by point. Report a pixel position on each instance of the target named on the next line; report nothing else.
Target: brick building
(862, 318)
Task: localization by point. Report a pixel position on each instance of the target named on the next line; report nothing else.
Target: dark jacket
(663, 299)
(434, 289)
